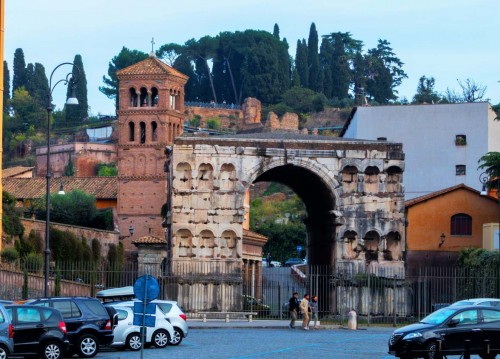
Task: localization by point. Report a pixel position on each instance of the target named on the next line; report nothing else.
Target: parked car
(128, 335)
(6, 342)
(451, 325)
(89, 323)
(37, 331)
(170, 308)
(493, 302)
(273, 263)
(293, 261)
(252, 304)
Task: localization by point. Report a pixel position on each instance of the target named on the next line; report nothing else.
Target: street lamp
(489, 179)
(70, 80)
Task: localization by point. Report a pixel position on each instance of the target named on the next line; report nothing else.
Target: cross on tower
(152, 44)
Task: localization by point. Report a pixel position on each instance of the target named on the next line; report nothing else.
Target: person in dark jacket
(293, 307)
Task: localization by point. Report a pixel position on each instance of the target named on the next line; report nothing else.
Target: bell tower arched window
(133, 97)
(143, 132)
(131, 131)
(144, 100)
(154, 97)
(154, 132)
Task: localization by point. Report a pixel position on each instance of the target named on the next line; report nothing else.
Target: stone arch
(227, 177)
(350, 244)
(371, 179)
(229, 244)
(393, 179)
(183, 176)
(371, 244)
(207, 243)
(349, 178)
(393, 250)
(205, 176)
(133, 97)
(184, 243)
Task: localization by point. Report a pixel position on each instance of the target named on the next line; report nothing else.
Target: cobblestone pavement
(271, 343)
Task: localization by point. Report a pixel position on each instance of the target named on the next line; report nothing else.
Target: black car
(452, 326)
(37, 331)
(89, 323)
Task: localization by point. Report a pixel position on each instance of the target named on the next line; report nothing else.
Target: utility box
(491, 240)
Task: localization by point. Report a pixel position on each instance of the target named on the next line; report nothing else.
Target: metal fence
(379, 296)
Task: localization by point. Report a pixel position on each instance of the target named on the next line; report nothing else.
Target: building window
(131, 131)
(460, 140)
(461, 225)
(460, 170)
(143, 132)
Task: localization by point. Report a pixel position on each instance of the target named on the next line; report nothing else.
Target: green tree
(69, 170)
(11, 223)
(341, 73)
(19, 79)
(38, 85)
(169, 53)
(490, 163)
(325, 60)
(313, 59)
(425, 91)
(124, 59)
(385, 72)
(302, 100)
(6, 87)
(276, 31)
(301, 63)
(183, 64)
(75, 114)
(96, 248)
(26, 112)
(107, 170)
(203, 50)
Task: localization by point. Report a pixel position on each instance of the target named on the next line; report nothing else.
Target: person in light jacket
(304, 308)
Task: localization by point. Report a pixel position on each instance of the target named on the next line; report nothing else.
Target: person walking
(304, 308)
(313, 304)
(293, 307)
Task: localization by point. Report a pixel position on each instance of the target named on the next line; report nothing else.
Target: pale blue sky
(446, 39)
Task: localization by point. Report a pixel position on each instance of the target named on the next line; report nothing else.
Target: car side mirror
(453, 323)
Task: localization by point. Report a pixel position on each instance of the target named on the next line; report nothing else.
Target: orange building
(441, 223)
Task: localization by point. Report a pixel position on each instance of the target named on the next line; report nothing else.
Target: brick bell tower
(150, 116)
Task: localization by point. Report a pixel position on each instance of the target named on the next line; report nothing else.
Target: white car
(128, 335)
(492, 302)
(169, 310)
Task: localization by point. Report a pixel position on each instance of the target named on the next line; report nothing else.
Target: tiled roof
(432, 195)
(14, 171)
(26, 188)
(150, 66)
(253, 235)
(149, 240)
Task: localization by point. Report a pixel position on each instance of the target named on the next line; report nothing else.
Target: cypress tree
(276, 31)
(313, 59)
(19, 78)
(6, 87)
(325, 57)
(301, 63)
(39, 85)
(29, 74)
(76, 113)
(341, 76)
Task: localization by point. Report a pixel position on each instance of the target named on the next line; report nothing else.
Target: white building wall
(428, 134)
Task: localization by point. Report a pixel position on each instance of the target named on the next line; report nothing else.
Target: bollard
(352, 320)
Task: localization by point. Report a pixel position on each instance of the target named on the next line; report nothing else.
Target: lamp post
(70, 80)
(488, 179)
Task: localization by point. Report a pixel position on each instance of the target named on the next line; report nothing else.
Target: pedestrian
(313, 304)
(293, 308)
(269, 260)
(304, 308)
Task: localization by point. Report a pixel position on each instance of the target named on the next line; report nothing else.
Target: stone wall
(105, 237)
(229, 118)
(289, 122)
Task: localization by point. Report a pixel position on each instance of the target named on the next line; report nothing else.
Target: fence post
(279, 302)
(369, 301)
(394, 301)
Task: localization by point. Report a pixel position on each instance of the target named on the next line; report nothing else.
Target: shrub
(33, 263)
(9, 255)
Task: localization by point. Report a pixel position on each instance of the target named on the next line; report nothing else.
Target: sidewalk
(242, 323)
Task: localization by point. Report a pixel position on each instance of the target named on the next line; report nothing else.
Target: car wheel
(88, 346)
(4, 352)
(52, 350)
(177, 338)
(160, 338)
(432, 351)
(134, 341)
(488, 356)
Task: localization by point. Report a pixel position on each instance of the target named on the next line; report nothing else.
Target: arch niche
(316, 189)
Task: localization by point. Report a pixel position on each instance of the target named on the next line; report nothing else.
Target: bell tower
(150, 116)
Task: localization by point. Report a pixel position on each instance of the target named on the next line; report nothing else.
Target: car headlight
(412, 335)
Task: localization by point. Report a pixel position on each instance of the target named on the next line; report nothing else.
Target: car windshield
(439, 316)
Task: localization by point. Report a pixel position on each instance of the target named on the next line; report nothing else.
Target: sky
(444, 39)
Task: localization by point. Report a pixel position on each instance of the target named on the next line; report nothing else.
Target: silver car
(172, 312)
(6, 343)
(492, 302)
(127, 335)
